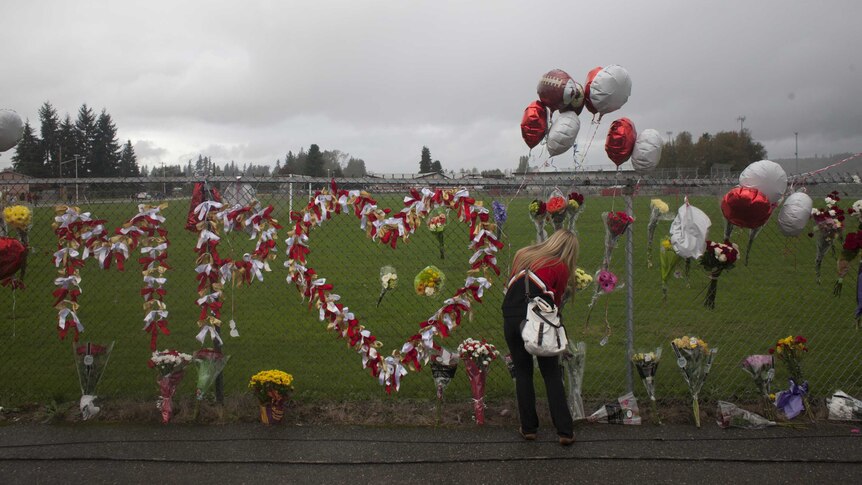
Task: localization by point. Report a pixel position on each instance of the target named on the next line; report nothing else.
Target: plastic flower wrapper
(761, 368)
(646, 364)
(828, 223)
(443, 367)
(477, 357)
(90, 360)
(171, 366)
(843, 407)
(574, 207)
(616, 224)
(438, 219)
(210, 363)
(793, 401)
(510, 365)
(668, 260)
(717, 258)
(730, 415)
(606, 282)
(557, 207)
(429, 281)
(694, 359)
(539, 214)
(659, 211)
(573, 367)
(500, 216)
(388, 281)
(624, 411)
(849, 251)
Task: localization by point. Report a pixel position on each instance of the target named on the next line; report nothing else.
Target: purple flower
(499, 212)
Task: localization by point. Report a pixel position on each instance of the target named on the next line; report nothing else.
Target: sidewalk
(252, 453)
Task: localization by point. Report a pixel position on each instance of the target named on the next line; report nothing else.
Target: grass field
(773, 297)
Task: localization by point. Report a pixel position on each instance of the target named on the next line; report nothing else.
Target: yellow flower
(666, 245)
(18, 216)
(660, 205)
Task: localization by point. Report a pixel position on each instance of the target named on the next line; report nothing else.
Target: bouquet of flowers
(659, 211)
(732, 416)
(717, 258)
(573, 367)
(584, 279)
(539, 214)
(606, 282)
(616, 224)
(437, 224)
(90, 360)
(574, 207)
(171, 366)
(849, 251)
(388, 281)
(646, 364)
(20, 218)
(668, 259)
(843, 407)
(210, 363)
(271, 388)
(694, 359)
(429, 281)
(624, 411)
(443, 368)
(793, 401)
(761, 369)
(500, 216)
(557, 208)
(828, 222)
(477, 357)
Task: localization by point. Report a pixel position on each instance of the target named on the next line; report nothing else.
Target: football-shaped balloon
(577, 102)
(621, 140)
(746, 207)
(794, 214)
(607, 89)
(11, 129)
(12, 256)
(647, 152)
(534, 124)
(556, 89)
(767, 177)
(563, 132)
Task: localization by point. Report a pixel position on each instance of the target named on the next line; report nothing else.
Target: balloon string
(595, 124)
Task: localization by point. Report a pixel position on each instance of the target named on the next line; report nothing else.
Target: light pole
(741, 120)
(76, 174)
(164, 187)
(796, 153)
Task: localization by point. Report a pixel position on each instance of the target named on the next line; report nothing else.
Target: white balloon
(767, 177)
(689, 230)
(610, 89)
(794, 214)
(11, 129)
(563, 132)
(647, 152)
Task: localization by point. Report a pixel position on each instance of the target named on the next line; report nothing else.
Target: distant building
(14, 184)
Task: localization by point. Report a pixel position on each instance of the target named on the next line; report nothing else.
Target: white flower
(829, 201)
(857, 206)
(832, 212)
(722, 258)
(429, 291)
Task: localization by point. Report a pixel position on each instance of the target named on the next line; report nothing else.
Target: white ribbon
(226, 272)
(94, 232)
(214, 336)
(210, 298)
(206, 236)
(253, 227)
(391, 221)
(322, 201)
(152, 213)
(155, 316)
(368, 209)
(102, 253)
(483, 284)
(152, 281)
(59, 255)
(153, 251)
(482, 252)
(63, 316)
(204, 207)
(486, 233)
(256, 266)
(428, 336)
(126, 230)
(223, 215)
(68, 282)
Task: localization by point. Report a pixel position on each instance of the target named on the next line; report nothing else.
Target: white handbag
(542, 330)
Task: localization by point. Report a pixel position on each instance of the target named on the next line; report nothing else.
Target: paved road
(251, 453)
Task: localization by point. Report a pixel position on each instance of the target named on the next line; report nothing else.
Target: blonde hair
(562, 245)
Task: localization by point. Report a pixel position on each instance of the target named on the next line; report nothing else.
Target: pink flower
(607, 281)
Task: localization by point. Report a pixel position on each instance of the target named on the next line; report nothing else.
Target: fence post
(630, 324)
(290, 208)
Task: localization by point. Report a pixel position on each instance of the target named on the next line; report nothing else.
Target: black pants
(524, 390)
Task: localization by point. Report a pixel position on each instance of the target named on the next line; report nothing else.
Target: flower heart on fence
(384, 227)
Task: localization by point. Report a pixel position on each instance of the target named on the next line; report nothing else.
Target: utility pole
(741, 120)
(669, 137)
(164, 188)
(796, 152)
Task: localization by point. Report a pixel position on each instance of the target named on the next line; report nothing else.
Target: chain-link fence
(774, 295)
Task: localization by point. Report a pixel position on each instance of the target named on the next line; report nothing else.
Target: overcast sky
(248, 81)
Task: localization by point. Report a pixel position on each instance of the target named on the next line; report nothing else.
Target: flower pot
(272, 413)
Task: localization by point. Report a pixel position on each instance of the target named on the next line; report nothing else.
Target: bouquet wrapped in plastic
(271, 388)
(557, 207)
(90, 360)
(500, 216)
(668, 260)
(171, 366)
(573, 367)
(761, 368)
(477, 357)
(539, 214)
(828, 223)
(717, 258)
(606, 282)
(694, 358)
(574, 207)
(437, 222)
(730, 415)
(388, 281)
(843, 407)
(616, 224)
(210, 363)
(793, 401)
(646, 364)
(443, 368)
(623, 411)
(849, 251)
(429, 281)
(658, 211)
(13, 252)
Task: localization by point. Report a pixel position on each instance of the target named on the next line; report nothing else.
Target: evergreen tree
(145, 171)
(523, 164)
(128, 161)
(314, 162)
(85, 135)
(105, 155)
(50, 138)
(437, 167)
(28, 155)
(425, 162)
(355, 168)
(277, 169)
(68, 139)
(291, 165)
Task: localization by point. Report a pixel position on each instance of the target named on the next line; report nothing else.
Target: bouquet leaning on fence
(171, 366)
(539, 214)
(828, 224)
(500, 216)
(557, 207)
(429, 281)
(793, 401)
(477, 357)
(437, 222)
(694, 358)
(761, 368)
(718, 257)
(272, 388)
(659, 211)
(669, 260)
(646, 364)
(210, 363)
(443, 368)
(90, 360)
(573, 366)
(849, 251)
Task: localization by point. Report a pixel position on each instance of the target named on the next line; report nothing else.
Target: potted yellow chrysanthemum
(272, 388)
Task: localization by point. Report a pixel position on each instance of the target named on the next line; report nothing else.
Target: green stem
(695, 406)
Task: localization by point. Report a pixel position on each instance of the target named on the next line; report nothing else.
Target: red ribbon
(156, 327)
(487, 260)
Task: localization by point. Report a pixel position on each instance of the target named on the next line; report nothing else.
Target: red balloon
(556, 89)
(12, 256)
(621, 140)
(534, 124)
(590, 76)
(746, 207)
